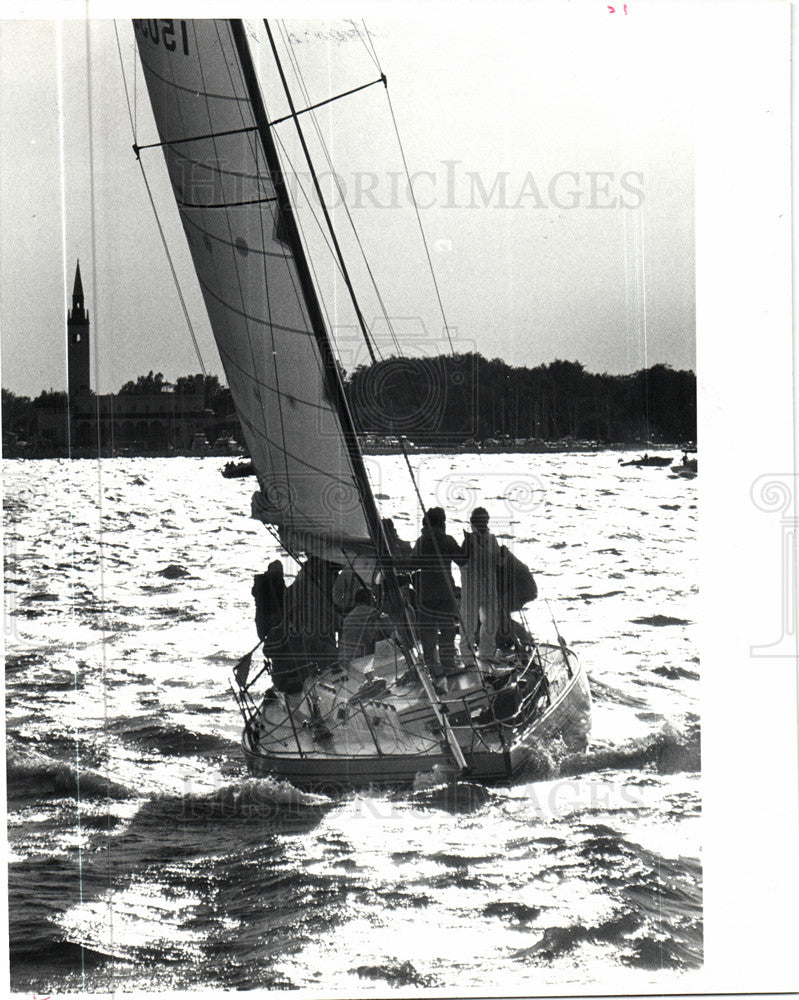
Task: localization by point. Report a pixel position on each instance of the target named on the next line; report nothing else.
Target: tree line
(456, 398)
(20, 412)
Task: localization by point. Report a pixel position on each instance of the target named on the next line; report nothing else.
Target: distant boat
(688, 468)
(238, 470)
(382, 720)
(226, 446)
(657, 461)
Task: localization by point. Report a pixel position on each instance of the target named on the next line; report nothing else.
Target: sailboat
(384, 719)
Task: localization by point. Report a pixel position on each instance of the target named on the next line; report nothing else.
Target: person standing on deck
(269, 591)
(310, 611)
(480, 599)
(437, 606)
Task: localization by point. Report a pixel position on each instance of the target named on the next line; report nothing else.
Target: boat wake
(669, 750)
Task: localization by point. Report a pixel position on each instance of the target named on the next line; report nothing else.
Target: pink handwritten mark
(612, 10)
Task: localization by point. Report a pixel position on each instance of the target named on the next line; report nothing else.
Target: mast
(333, 381)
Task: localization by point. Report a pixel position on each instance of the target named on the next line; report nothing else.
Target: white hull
(384, 734)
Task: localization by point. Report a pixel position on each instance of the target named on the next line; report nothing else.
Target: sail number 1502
(162, 32)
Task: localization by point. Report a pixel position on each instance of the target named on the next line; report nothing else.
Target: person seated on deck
(359, 574)
(363, 627)
(363, 570)
(437, 606)
(480, 601)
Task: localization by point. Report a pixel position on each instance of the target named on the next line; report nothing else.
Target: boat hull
(491, 758)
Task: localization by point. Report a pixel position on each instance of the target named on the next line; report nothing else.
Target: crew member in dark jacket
(269, 591)
(437, 610)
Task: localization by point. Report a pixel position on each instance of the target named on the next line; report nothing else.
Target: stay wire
(329, 160)
(125, 82)
(317, 187)
(416, 209)
(174, 273)
(161, 233)
(412, 386)
(369, 50)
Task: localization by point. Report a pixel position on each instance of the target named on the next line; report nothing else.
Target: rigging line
(322, 233)
(369, 51)
(413, 199)
(413, 389)
(253, 128)
(337, 263)
(135, 95)
(174, 273)
(163, 235)
(312, 210)
(125, 82)
(411, 384)
(317, 187)
(419, 220)
(334, 176)
(366, 38)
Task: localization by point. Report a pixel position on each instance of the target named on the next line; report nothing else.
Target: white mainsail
(253, 290)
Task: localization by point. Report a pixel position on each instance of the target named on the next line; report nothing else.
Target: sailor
(310, 612)
(437, 606)
(269, 591)
(397, 546)
(480, 599)
(363, 626)
(304, 639)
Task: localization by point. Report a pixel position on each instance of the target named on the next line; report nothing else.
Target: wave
(656, 922)
(257, 799)
(660, 621)
(395, 973)
(173, 572)
(33, 775)
(171, 740)
(452, 797)
(669, 749)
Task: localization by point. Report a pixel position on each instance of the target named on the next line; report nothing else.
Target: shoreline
(543, 448)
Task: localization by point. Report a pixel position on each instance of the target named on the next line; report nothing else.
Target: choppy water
(144, 857)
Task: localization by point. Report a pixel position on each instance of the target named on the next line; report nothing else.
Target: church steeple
(78, 311)
(78, 363)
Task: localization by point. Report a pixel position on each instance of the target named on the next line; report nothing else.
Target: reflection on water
(143, 856)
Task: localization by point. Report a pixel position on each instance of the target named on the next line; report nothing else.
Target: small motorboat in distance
(657, 461)
(237, 470)
(688, 468)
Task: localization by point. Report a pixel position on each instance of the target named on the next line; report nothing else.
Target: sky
(552, 148)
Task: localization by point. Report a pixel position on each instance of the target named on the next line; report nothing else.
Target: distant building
(78, 357)
(161, 421)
